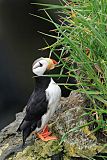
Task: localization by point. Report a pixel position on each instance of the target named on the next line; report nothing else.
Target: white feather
(37, 69)
(53, 95)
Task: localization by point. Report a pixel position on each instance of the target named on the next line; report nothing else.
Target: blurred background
(19, 44)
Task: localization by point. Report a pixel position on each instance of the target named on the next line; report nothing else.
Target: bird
(42, 103)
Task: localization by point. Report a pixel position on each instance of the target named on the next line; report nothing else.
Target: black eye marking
(40, 64)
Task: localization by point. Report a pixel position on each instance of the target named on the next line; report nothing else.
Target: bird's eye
(40, 64)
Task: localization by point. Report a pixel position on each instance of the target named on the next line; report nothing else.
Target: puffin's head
(43, 64)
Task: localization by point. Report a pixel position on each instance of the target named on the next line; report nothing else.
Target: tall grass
(82, 38)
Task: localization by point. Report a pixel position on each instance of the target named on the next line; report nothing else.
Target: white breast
(53, 95)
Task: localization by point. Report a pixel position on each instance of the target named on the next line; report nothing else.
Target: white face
(40, 66)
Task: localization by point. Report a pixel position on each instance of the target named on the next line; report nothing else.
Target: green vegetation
(81, 38)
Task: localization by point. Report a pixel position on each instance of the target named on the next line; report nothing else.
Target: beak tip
(54, 61)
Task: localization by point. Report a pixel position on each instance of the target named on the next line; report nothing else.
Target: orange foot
(45, 135)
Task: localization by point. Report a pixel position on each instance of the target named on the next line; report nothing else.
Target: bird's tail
(25, 128)
(23, 125)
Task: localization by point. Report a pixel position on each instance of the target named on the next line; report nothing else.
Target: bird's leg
(45, 135)
(44, 132)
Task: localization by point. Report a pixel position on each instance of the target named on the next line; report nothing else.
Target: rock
(74, 140)
(9, 138)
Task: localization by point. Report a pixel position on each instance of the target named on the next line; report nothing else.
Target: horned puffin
(42, 102)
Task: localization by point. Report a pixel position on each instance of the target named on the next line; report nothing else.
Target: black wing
(36, 107)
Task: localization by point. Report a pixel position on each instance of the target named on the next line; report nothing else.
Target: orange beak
(54, 62)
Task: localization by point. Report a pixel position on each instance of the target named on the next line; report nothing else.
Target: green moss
(87, 132)
(39, 151)
(75, 151)
(70, 150)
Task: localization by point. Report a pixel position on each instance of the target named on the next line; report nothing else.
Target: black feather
(36, 107)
